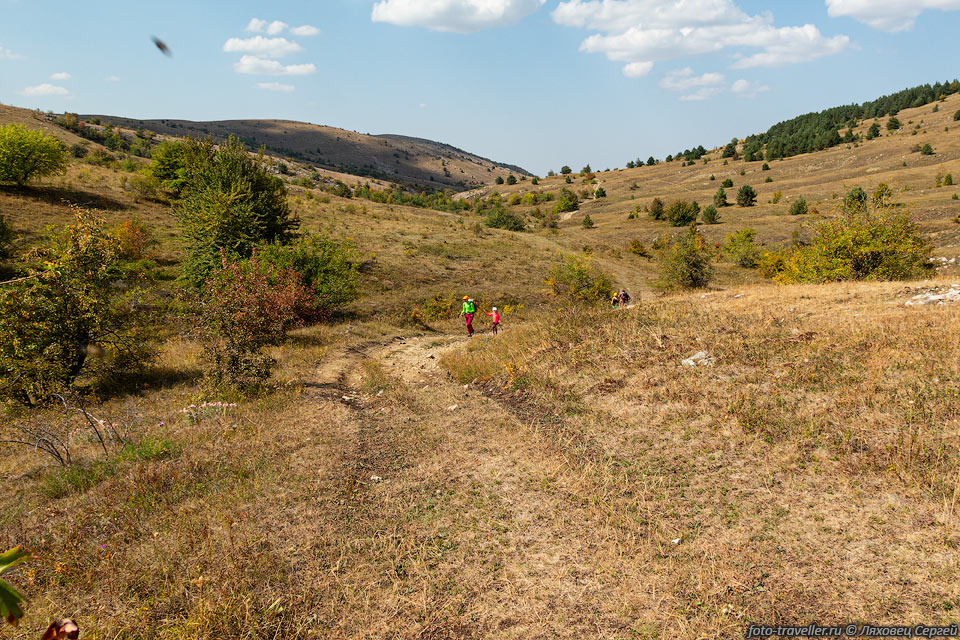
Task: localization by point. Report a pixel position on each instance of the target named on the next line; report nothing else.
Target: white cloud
(305, 30)
(45, 89)
(264, 47)
(254, 65)
(276, 27)
(683, 79)
(461, 16)
(62, 75)
(112, 79)
(642, 32)
(6, 54)
(276, 86)
(637, 69)
(702, 94)
(747, 89)
(255, 25)
(888, 15)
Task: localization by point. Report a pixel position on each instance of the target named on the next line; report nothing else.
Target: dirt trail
(433, 511)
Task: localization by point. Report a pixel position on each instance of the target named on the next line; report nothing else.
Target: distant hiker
(624, 298)
(496, 320)
(469, 308)
(615, 301)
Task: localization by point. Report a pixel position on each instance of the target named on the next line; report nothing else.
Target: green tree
(500, 218)
(511, 179)
(746, 196)
(568, 201)
(730, 151)
(26, 154)
(656, 209)
(565, 170)
(873, 131)
(499, 180)
(926, 150)
(230, 204)
(685, 261)
(651, 161)
(600, 192)
(798, 207)
(956, 116)
(727, 183)
(631, 164)
(586, 169)
(710, 215)
(587, 222)
(169, 165)
(720, 198)
(893, 123)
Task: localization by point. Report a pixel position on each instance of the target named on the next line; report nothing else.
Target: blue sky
(539, 83)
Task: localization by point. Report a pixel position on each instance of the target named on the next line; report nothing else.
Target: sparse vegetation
(576, 278)
(798, 207)
(685, 261)
(680, 213)
(741, 248)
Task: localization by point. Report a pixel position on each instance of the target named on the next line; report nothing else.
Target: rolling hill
(413, 162)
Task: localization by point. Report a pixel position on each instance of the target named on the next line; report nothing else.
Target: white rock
(676, 541)
(453, 407)
(699, 358)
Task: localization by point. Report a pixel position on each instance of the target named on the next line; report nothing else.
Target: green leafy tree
(230, 204)
(798, 207)
(727, 183)
(568, 201)
(741, 248)
(685, 261)
(681, 213)
(873, 131)
(657, 209)
(169, 165)
(926, 150)
(651, 161)
(66, 304)
(730, 151)
(511, 179)
(586, 169)
(26, 154)
(855, 200)
(501, 218)
(565, 170)
(893, 123)
(720, 198)
(746, 196)
(631, 164)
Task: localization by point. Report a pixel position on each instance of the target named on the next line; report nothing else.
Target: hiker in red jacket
(496, 320)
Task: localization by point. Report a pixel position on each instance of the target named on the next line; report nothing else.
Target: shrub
(798, 207)
(230, 203)
(586, 169)
(26, 154)
(873, 131)
(948, 180)
(511, 179)
(926, 150)
(79, 149)
(638, 249)
(568, 201)
(656, 209)
(600, 193)
(855, 200)
(879, 243)
(587, 222)
(681, 213)
(727, 183)
(514, 199)
(893, 123)
(329, 270)
(133, 239)
(249, 304)
(710, 215)
(956, 116)
(685, 261)
(144, 186)
(741, 248)
(568, 180)
(168, 165)
(499, 180)
(500, 218)
(565, 170)
(528, 199)
(765, 167)
(882, 195)
(576, 278)
(743, 172)
(746, 196)
(535, 181)
(65, 307)
(712, 177)
(550, 220)
(777, 196)
(771, 263)
(768, 179)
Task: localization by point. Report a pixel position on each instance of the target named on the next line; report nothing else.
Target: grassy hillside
(413, 162)
(569, 478)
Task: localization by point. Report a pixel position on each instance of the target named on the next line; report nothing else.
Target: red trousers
(469, 317)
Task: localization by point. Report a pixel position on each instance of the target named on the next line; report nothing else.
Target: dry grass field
(569, 478)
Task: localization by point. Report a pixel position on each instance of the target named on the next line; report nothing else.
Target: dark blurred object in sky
(162, 46)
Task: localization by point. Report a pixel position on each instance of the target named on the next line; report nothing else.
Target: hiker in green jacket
(469, 308)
